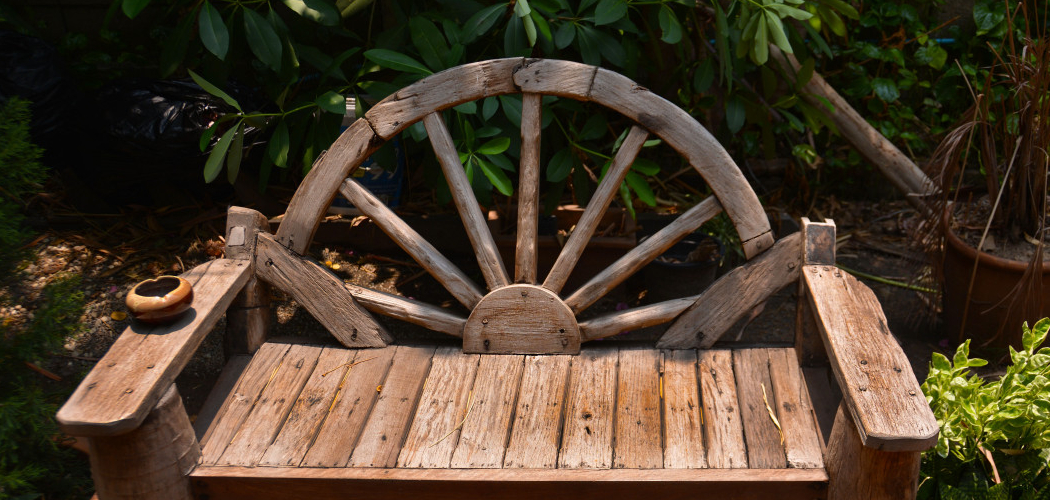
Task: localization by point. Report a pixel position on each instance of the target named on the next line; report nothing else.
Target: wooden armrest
(877, 382)
(142, 364)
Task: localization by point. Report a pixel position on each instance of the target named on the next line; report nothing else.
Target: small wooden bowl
(160, 300)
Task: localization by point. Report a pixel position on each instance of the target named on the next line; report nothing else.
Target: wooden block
(818, 247)
(683, 430)
(536, 430)
(560, 78)
(857, 471)
(818, 242)
(765, 442)
(442, 407)
(638, 433)
(521, 319)
(588, 433)
(795, 411)
(486, 428)
(721, 413)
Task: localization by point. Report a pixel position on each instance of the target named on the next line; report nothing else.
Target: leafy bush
(20, 173)
(995, 434)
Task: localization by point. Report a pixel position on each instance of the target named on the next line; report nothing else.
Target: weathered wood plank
(528, 190)
(588, 432)
(683, 430)
(552, 77)
(825, 397)
(142, 364)
(321, 293)
(536, 430)
(818, 247)
(734, 295)
(521, 319)
(721, 412)
(642, 254)
(858, 471)
(451, 277)
(417, 313)
(765, 442)
(442, 408)
(483, 439)
(599, 202)
(268, 414)
(224, 386)
(310, 409)
(794, 410)
(876, 379)
(638, 432)
(617, 322)
(387, 426)
(249, 316)
(241, 400)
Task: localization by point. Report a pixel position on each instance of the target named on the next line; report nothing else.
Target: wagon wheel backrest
(526, 313)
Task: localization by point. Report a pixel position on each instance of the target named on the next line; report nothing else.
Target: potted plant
(991, 170)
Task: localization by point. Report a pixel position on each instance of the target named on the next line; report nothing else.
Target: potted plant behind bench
(991, 239)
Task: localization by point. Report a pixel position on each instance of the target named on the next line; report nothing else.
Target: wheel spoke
(631, 319)
(450, 276)
(473, 220)
(528, 190)
(570, 254)
(642, 254)
(417, 313)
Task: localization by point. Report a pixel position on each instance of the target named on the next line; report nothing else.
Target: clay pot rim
(145, 304)
(983, 257)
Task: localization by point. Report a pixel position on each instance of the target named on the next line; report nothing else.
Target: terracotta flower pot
(160, 300)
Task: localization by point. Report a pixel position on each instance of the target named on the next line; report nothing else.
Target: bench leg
(856, 471)
(150, 462)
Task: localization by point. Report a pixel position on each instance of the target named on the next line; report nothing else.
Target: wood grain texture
(876, 379)
(528, 190)
(697, 145)
(268, 414)
(489, 259)
(388, 424)
(318, 188)
(818, 242)
(683, 430)
(638, 433)
(483, 439)
(442, 407)
(588, 433)
(451, 277)
(818, 247)
(453, 484)
(644, 253)
(610, 185)
(310, 409)
(248, 319)
(721, 412)
(795, 411)
(826, 398)
(765, 443)
(521, 319)
(553, 77)
(411, 311)
(321, 293)
(151, 462)
(637, 317)
(127, 382)
(857, 471)
(351, 407)
(224, 386)
(241, 400)
(734, 295)
(536, 430)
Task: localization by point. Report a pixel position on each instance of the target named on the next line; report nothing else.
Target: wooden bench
(522, 404)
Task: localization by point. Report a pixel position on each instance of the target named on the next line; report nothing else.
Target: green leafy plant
(20, 174)
(994, 434)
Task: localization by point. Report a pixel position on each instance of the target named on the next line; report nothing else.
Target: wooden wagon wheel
(523, 314)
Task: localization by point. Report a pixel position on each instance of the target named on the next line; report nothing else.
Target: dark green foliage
(20, 173)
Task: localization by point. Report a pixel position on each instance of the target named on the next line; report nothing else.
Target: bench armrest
(877, 382)
(142, 364)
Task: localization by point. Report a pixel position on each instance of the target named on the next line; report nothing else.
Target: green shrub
(20, 173)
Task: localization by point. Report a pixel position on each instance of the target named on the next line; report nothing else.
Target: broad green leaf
(609, 11)
(704, 75)
(594, 128)
(788, 11)
(511, 105)
(467, 108)
(645, 166)
(625, 195)
(486, 132)
(213, 90)
(669, 26)
(843, 7)
(735, 113)
(776, 30)
(885, 89)
(132, 8)
(428, 41)
(262, 39)
(496, 176)
(454, 57)
(835, 23)
(174, 50)
(760, 48)
(940, 362)
(564, 35)
(233, 160)
(560, 166)
(530, 29)
(489, 107)
(207, 135)
(213, 165)
(805, 73)
(1032, 338)
(611, 48)
(495, 146)
(515, 41)
(986, 14)
(396, 61)
(332, 102)
(932, 55)
(481, 22)
(213, 32)
(814, 35)
(641, 188)
(318, 11)
(501, 161)
(521, 8)
(542, 25)
(277, 150)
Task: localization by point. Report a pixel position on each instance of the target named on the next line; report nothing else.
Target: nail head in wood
(521, 319)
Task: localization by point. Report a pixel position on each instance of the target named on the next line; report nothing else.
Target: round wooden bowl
(160, 300)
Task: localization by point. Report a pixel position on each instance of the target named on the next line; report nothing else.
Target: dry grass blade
(772, 416)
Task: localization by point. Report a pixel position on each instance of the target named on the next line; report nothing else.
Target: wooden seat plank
(224, 386)
(442, 407)
(638, 430)
(765, 443)
(388, 422)
(588, 431)
(794, 410)
(721, 413)
(310, 409)
(267, 416)
(483, 439)
(536, 430)
(683, 430)
(142, 364)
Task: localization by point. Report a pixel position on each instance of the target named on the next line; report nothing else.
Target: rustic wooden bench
(518, 408)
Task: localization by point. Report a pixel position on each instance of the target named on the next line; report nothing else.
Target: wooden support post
(818, 247)
(248, 319)
(150, 462)
(856, 471)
